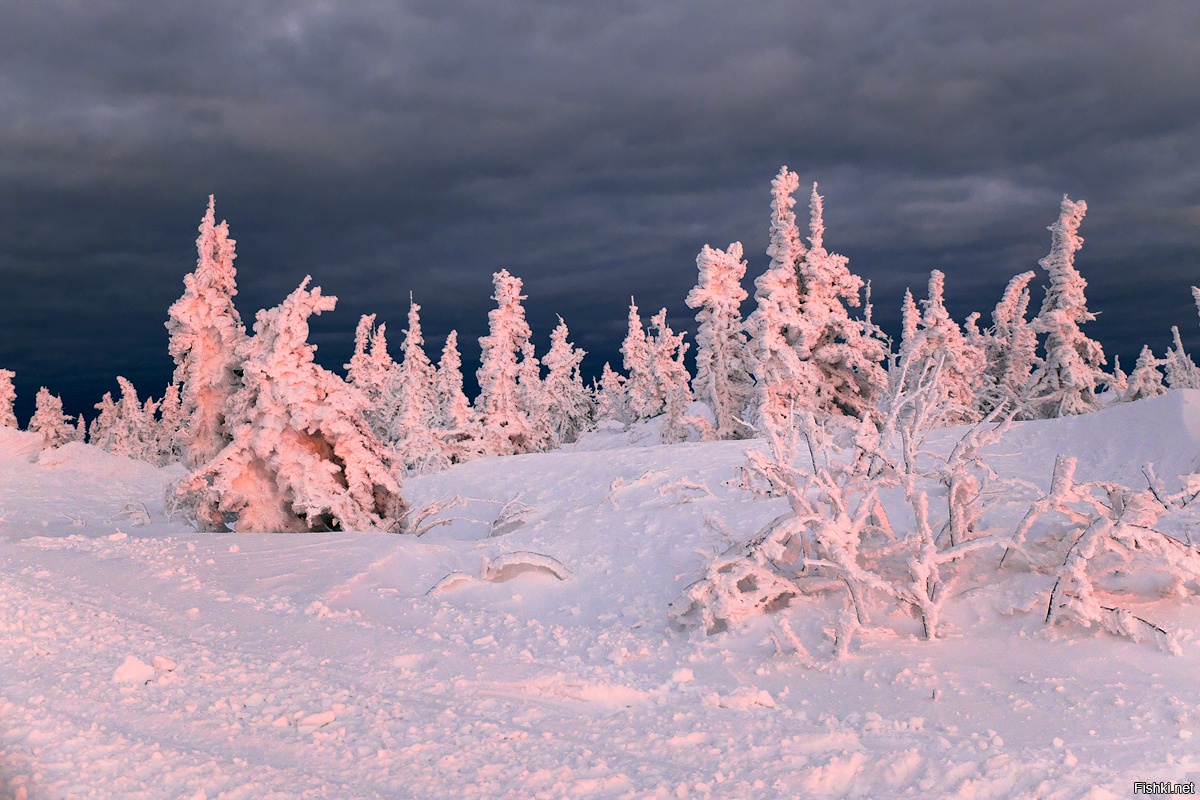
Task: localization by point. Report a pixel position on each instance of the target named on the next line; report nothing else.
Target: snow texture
(267, 666)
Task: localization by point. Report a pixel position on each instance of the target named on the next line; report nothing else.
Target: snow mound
(18, 445)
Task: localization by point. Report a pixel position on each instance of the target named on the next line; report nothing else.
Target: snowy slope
(146, 660)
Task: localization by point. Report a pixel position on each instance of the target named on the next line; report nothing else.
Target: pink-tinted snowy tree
(412, 435)
(8, 396)
(205, 334)
(1181, 370)
(844, 355)
(934, 344)
(642, 397)
(168, 447)
(1071, 376)
(373, 372)
(611, 404)
(126, 427)
(507, 428)
(455, 419)
(569, 404)
(1145, 380)
(302, 457)
(50, 421)
(775, 323)
(1010, 350)
(723, 380)
(671, 379)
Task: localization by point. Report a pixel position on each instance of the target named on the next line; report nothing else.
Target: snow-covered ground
(535, 656)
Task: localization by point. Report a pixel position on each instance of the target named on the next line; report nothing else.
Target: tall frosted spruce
(205, 333)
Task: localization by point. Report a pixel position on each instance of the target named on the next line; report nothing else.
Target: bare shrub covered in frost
(1100, 546)
(839, 537)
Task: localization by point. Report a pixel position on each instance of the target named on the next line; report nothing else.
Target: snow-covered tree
(301, 457)
(1072, 374)
(100, 432)
(205, 333)
(611, 404)
(1182, 372)
(844, 356)
(937, 345)
(455, 419)
(1146, 380)
(373, 372)
(1010, 349)
(50, 421)
(775, 323)
(506, 425)
(723, 380)
(568, 401)
(168, 442)
(8, 396)
(412, 434)
(126, 427)
(641, 392)
(671, 379)
(80, 430)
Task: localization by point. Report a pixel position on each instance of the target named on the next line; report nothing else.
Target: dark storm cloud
(591, 149)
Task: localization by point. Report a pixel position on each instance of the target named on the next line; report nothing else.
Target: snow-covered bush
(302, 456)
(1099, 542)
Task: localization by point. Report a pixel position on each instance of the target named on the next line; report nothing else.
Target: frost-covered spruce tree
(671, 379)
(844, 355)
(1146, 380)
(775, 323)
(1010, 350)
(302, 457)
(455, 420)
(373, 372)
(568, 400)
(531, 393)
(611, 404)
(1181, 370)
(641, 391)
(937, 345)
(168, 447)
(50, 421)
(1071, 376)
(205, 333)
(126, 427)
(723, 380)
(505, 422)
(412, 434)
(8, 397)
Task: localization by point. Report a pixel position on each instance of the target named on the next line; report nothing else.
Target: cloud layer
(590, 148)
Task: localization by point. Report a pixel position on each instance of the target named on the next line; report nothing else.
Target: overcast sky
(589, 148)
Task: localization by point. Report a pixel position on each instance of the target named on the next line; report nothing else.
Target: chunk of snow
(134, 670)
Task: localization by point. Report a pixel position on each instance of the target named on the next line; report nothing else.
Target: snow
(143, 659)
